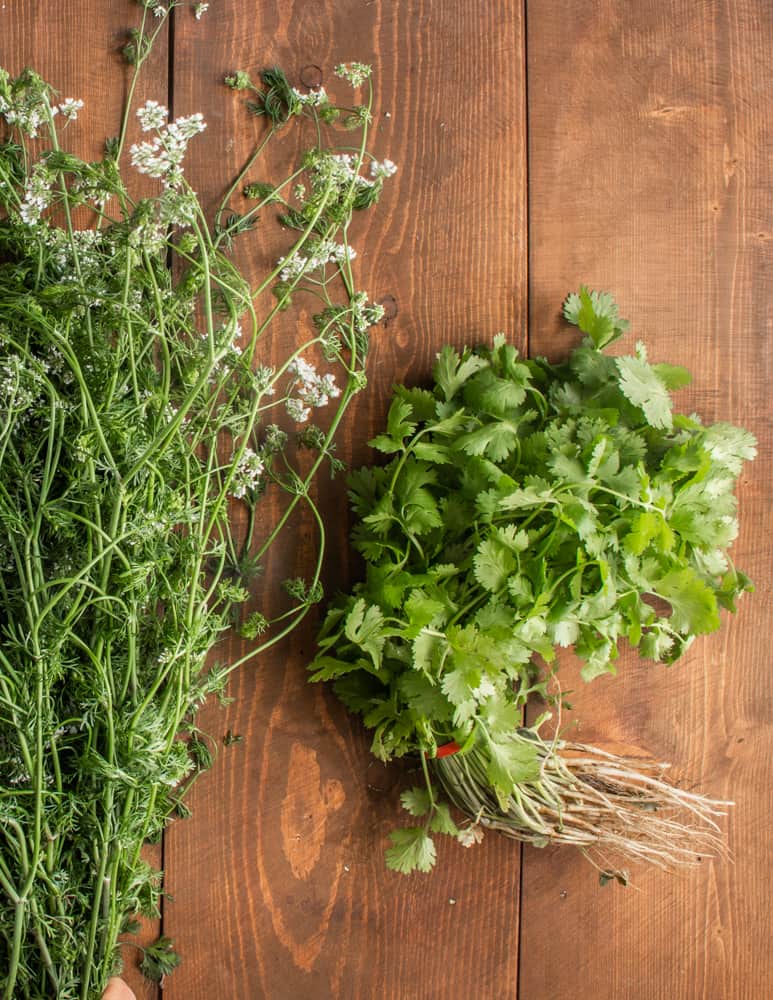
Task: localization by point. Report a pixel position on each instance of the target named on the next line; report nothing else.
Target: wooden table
(540, 145)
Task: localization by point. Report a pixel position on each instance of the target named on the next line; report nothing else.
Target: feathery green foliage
(136, 418)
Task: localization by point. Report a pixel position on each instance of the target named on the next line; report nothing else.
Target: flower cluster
(69, 108)
(263, 380)
(338, 169)
(152, 116)
(341, 171)
(25, 110)
(314, 99)
(26, 105)
(248, 474)
(200, 10)
(162, 158)
(385, 168)
(355, 73)
(313, 390)
(274, 439)
(20, 384)
(37, 193)
(364, 313)
(89, 245)
(321, 252)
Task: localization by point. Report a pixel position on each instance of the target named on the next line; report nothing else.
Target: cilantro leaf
(412, 850)
(442, 822)
(672, 376)
(159, 960)
(642, 386)
(451, 372)
(596, 314)
(729, 446)
(427, 649)
(496, 440)
(694, 606)
(364, 627)
(416, 801)
(493, 564)
(510, 763)
(399, 427)
(648, 527)
(457, 687)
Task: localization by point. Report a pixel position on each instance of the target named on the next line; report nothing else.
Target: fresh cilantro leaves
(525, 508)
(596, 314)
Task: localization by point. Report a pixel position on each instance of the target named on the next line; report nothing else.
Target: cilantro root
(527, 507)
(613, 809)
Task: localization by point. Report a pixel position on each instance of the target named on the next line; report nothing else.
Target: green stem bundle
(134, 422)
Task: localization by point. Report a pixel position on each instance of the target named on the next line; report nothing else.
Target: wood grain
(278, 879)
(75, 45)
(649, 129)
(649, 139)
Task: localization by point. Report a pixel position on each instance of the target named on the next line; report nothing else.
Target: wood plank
(75, 45)
(649, 128)
(278, 879)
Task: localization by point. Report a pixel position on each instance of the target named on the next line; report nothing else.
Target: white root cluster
(614, 809)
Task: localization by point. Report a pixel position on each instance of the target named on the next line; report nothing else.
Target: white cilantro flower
(162, 157)
(152, 115)
(386, 168)
(249, 473)
(355, 73)
(70, 108)
(297, 411)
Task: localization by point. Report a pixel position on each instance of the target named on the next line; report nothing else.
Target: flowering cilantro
(141, 432)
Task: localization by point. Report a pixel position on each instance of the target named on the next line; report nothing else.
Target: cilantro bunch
(525, 507)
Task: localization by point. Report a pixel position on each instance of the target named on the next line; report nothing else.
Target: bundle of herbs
(528, 507)
(139, 436)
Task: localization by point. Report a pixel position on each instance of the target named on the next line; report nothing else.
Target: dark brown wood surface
(649, 174)
(291, 898)
(648, 133)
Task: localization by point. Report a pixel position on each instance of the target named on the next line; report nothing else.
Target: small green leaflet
(458, 686)
(417, 505)
(412, 850)
(729, 446)
(451, 372)
(442, 822)
(493, 564)
(495, 440)
(399, 427)
(694, 606)
(427, 649)
(159, 960)
(364, 628)
(511, 763)
(672, 376)
(649, 528)
(416, 801)
(421, 609)
(596, 314)
(641, 384)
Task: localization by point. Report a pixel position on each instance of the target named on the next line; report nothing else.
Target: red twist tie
(448, 749)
